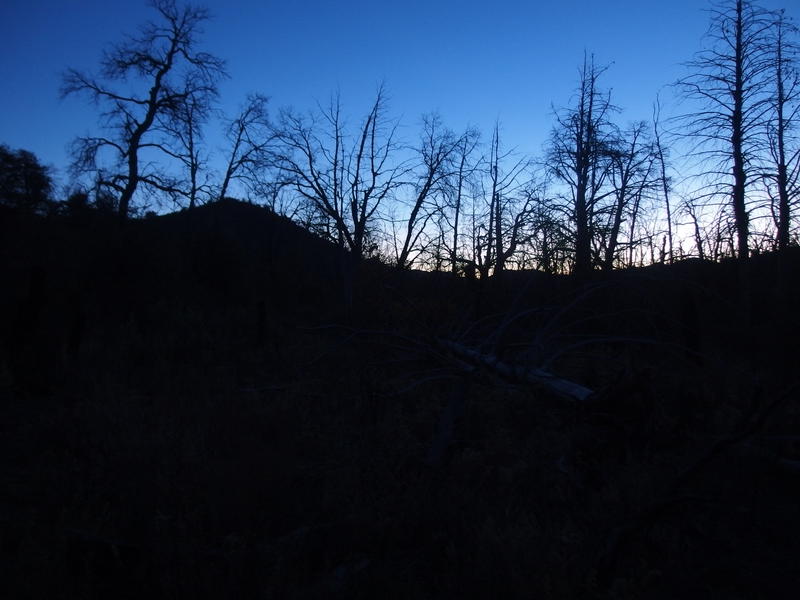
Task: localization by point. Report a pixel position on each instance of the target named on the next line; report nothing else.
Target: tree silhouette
(344, 179)
(661, 154)
(437, 150)
(728, 80)
(249, 135)
(783, 139)
(504, 207)
(185, 127)
(163, 62)
(25, 184)
(578, 157)
(631, 175)
(460, 182)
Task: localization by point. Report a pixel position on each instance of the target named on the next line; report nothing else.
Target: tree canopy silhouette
(25, 184)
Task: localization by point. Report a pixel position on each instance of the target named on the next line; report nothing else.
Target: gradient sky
(474, 62)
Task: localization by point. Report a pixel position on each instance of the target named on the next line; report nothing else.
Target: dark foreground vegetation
(217, 404)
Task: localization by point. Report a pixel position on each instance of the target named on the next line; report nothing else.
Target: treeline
(603, 195)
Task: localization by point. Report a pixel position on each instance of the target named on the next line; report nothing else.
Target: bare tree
(507, 202)
(663, 178)
(344, 179)
(185, 126)
(784, 143)
(727, 79)
(249, 135)
(451, 205)
(162, 59)
(577, 156)
(460, 180)
(437, 149)
(550, 238)
(630, 176)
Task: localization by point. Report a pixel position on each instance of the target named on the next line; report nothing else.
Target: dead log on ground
(517, 373)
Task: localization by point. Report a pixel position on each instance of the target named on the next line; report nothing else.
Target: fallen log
(517, 373)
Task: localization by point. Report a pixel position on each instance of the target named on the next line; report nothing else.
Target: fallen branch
(517, 373)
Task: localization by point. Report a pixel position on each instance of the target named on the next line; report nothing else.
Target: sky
(513, 61)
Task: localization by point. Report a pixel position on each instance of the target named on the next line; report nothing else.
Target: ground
(217, 404)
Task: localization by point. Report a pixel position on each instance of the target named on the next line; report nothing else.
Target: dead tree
(663, 178)
(783, 173)
(249, 135)
(630, 176)
(437, 149)
(164, 63)
(727, 80)
(461, 178)
(344, 179)
(184, 126)
(577, 158)
(507, 207)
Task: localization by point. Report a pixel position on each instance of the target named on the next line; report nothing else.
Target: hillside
(216, 403)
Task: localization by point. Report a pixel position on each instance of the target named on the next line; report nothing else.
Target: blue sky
(474, 62)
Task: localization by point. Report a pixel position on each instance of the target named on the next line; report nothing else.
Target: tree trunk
(737, 141)
(782, 171)
(611, 247)
(583, 238)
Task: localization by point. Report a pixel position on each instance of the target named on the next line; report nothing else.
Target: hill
(217, 403)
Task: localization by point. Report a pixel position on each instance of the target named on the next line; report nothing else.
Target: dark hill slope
(223, 271)
(216, 403)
